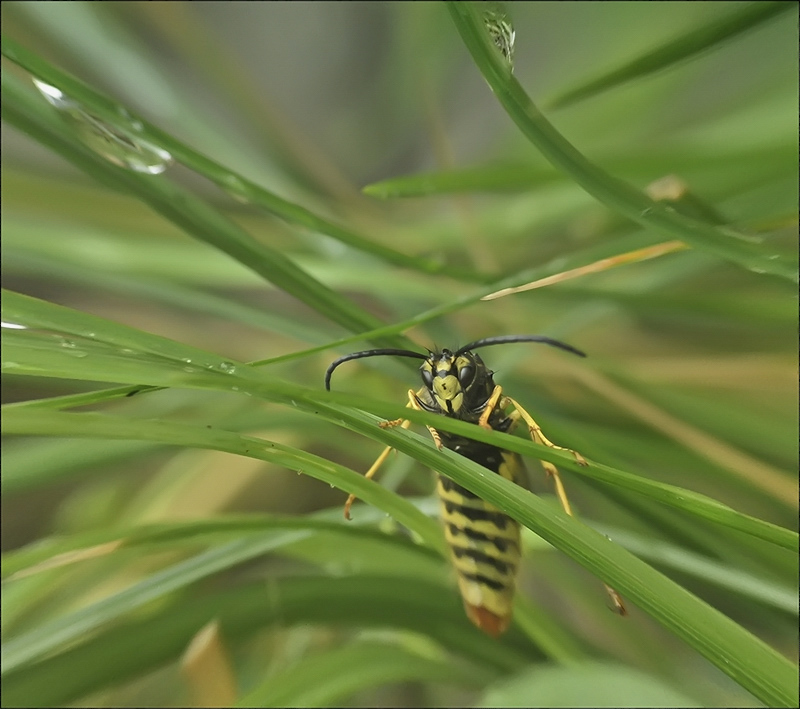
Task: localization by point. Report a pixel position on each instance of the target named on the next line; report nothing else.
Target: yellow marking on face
(447, 389)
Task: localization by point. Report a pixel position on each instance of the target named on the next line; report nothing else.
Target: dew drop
(227, 368)
(236, 188)
(498, 24)
(13, 326)
(112, 142)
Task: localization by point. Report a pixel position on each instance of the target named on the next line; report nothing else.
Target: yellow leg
(403, 423)
(538, 437)
(413, 403)
(489, 407)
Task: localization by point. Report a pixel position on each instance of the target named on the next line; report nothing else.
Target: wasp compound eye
(466, 375)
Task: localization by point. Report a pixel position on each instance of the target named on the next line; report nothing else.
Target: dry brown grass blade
(207, 669)
(596, 267)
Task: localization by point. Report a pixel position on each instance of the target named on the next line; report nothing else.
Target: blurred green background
(116, 552)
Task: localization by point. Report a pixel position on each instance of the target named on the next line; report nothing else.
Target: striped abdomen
(484, 542)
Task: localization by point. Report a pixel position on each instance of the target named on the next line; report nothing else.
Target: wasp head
(455, 380)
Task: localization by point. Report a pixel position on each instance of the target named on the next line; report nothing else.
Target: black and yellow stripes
(484, 546)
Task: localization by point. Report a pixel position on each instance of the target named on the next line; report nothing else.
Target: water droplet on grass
(498, 23)
(112, 142)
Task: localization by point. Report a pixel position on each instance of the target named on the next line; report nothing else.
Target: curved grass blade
(619, 196)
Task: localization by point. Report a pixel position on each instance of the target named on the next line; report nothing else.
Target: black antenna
(369, 353)
(485, 342)
(508, 339)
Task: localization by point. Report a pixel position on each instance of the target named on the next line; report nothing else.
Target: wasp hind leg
(538, 437)
(381, 459)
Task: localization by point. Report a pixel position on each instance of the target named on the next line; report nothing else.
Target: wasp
(484, 542)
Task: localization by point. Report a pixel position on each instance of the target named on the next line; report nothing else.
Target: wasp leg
(371, 472)
(413, 403)
(538, 437)
(489, 407)
(437, 439)
(381, 459)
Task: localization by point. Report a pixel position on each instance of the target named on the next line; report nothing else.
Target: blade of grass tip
(207, 668)
(674, 51)
(438, 311)
(179, 206)
(667, 189)
(605, 264)
(102, 107)
(460, 303)
(616, 194)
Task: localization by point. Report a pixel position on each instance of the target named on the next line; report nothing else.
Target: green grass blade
(35, 558)
(619, 196)
(49, 636)
(226, 179)
(122, 653)
(748, 660)
(485, 178)
(664, 555)
(592, 683)
(161, 362)
(746, 17)
(328, 678)
(182, 208)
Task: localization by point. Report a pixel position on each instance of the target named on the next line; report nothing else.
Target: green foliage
(170, 504)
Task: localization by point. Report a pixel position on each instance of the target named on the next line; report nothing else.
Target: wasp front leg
(413, 403)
